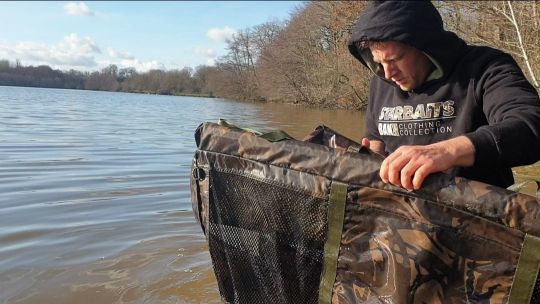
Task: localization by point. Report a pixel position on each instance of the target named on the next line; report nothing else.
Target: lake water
(95, 203)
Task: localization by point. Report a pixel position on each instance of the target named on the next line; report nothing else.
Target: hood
(416, 23)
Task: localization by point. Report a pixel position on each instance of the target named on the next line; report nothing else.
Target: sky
(167, 35)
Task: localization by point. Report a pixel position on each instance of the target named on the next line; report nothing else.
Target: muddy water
(95, 204)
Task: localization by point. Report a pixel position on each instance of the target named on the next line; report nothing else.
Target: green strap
(272, 136)
(526, 272)
(336, 211)
(223, 122)
(276, 136)
(519, 186)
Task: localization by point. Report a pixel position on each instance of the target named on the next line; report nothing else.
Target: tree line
(304, 59)
(176, 82)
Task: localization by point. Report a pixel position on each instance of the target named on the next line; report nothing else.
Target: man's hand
(375, 145)
(408, 166)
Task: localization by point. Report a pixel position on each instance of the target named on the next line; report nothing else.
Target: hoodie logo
(423, 119)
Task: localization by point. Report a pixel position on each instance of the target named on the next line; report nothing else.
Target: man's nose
(389, 70)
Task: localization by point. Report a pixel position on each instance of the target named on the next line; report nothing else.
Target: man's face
(405, 65)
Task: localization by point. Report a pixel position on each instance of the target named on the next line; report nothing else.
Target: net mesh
(266, 240)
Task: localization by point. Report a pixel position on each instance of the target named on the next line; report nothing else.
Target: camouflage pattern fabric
(453, 241)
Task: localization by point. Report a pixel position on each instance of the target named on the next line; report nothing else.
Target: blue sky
(90, 35)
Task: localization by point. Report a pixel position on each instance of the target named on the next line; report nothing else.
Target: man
(437, 104)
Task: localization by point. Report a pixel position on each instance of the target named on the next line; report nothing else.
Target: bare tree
(309, 61)
(509, 26)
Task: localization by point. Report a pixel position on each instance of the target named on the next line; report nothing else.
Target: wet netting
(266, 241)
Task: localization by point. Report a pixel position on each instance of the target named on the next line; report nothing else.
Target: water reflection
(299, 121)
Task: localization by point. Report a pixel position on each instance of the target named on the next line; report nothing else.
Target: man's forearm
(460, 148)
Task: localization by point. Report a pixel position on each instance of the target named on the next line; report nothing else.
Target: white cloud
(208, 53)
(77, 9)
(141, 66)
(72, 52)
(126, 60)
(75, 44)
(120, 55)
(220, 34)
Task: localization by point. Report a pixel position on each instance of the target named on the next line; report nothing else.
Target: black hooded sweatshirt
(479, 92)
